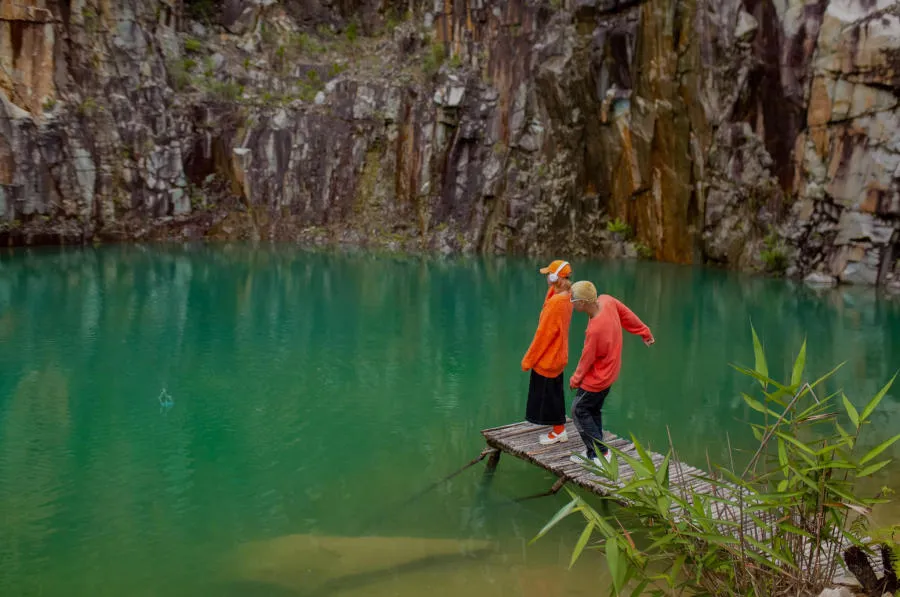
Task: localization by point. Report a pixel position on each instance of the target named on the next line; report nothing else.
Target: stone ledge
(22, 12)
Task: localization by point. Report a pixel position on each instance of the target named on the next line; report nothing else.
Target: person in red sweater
(601, 360)
(548, 355)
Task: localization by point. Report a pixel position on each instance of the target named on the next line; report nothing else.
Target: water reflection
(314, 392)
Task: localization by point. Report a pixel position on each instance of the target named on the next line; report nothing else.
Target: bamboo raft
(521, 441)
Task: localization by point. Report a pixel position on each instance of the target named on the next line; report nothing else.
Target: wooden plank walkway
(521, 440)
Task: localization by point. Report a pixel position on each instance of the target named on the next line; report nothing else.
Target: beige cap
(583, 291)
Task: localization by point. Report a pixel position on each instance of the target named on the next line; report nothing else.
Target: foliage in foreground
(796, 496)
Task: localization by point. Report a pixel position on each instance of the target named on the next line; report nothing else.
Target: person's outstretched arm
(633, 324)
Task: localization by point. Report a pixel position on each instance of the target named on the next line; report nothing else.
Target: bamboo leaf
(873, 468)
(768, 551)
(662, 473)
(762, 379)
(809, 482)
(612, 560)
(794, 530)
(799, 366)
(782, 454)
(582, 542)
(758, 406)
(612, 467)
(848, 440)
(639, 589)
(827, 375)
(851, 411)
(562, 513)
(760, 356)
(879, 449)
(676, 568)
(645, 457)
(873, 403)
(795, 442)
(713, 539)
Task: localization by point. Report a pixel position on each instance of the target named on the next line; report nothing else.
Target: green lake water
(313, 392)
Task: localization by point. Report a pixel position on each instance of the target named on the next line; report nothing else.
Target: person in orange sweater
(548, 355)
(600, 363)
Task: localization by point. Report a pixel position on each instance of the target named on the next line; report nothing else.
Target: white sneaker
(608, 456)
(552, 438)
(597, 462)
(579, 457)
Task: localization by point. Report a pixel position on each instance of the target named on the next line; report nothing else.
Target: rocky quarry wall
(757, 134)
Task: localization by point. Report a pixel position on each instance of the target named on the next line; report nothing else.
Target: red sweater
(601, 358)
(549, 350)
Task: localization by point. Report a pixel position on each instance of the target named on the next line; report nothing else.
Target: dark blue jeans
(588, 419)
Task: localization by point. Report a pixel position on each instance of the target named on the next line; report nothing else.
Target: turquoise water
(312, 393)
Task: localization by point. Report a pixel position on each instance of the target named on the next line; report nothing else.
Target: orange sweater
(601, 358)
(549, 350)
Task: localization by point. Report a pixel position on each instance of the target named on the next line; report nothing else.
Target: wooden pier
(521, 440)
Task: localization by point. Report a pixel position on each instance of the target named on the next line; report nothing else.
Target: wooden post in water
(493, 461)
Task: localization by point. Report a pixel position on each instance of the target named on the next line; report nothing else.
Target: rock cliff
(758, 134)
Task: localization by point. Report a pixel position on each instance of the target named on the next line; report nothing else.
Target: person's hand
(650, 341)
(572, 384)
(525, 367)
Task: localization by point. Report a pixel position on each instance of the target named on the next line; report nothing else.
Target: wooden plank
(522, 441)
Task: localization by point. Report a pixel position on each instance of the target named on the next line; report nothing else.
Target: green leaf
(873, 468)
(766, 550)
(796, 442)
(758, 433)
(762, 379)
(639, 590)
(645, 457)
(582, 542)
(879, 449)
(851, 411)
(845, 436)
(713, 539)
(562, 513)
(827, 375)
(674, 570)
(612, 467)
(796, 531)
(758, 406)
(809, 482)
(662, 473)
(612, 560)
(782, 454)
(760, 356)
(873, 403)
(799, 366)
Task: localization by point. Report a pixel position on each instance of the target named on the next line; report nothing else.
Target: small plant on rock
(433, 59)
(774, 255)
(352, 32)
(619, 228)
(643, 251)
(192, 45)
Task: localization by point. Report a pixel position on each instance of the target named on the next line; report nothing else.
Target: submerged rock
(819, 279)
